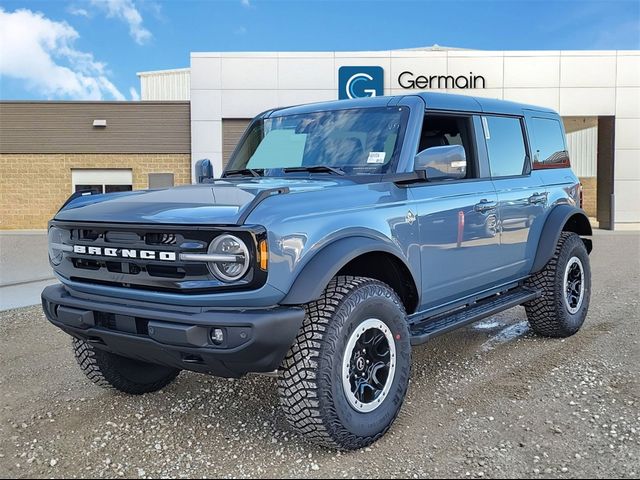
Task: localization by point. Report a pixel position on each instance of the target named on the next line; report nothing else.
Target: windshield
(354, 141)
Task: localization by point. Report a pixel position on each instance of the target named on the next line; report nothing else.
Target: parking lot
(491, 400)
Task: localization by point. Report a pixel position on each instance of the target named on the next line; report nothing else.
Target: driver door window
(445, 130)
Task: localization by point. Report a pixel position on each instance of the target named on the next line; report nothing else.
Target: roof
(432, 100)
(450, 101)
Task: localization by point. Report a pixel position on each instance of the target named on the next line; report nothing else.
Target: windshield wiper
(315, 168)
(245, 171)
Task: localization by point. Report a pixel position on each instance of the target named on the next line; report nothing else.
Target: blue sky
(92, 49)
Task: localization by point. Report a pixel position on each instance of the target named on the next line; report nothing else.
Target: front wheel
(345, 378)
(565, 283)
(126, 375)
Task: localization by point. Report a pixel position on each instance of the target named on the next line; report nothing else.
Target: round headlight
(56, 239)
(235, 268)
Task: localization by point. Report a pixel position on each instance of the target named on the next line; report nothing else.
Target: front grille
(122, 323)
(126, 238)
(160, 238)
(149, 274)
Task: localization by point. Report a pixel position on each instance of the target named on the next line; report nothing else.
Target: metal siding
(583, 148)
(165, 85)
(232, 130)
(67, 127)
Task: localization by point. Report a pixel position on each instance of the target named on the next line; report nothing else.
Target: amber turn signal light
(264, 255)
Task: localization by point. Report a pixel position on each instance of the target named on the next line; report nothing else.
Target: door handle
(538, 198)
(484, 206)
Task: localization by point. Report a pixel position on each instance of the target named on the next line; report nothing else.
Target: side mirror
(442, 163)
(203, 170)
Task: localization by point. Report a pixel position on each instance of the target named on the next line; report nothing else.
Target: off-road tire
(119, 373)
(548, 315)
(310, 385)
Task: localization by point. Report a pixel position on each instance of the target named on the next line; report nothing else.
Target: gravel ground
(491, 400)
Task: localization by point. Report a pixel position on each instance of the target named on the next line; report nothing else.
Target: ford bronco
(339, 235)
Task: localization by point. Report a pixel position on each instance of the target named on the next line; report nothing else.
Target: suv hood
(221, 202)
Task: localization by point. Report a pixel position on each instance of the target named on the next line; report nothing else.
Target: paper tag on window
(376, 157)
(485, 125)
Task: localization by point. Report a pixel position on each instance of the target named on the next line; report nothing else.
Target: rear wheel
(344, 380)
(565, 283)
(124, 374)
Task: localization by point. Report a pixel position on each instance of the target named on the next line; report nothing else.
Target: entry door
(522, 196)
(459, 244)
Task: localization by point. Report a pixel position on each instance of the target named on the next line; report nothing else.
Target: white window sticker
(376, 157)
(485, 125)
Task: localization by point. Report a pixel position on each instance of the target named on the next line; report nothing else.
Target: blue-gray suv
(339, 235)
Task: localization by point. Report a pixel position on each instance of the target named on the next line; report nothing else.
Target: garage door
(232, 130)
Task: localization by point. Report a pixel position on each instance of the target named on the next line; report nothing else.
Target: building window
(102, 180)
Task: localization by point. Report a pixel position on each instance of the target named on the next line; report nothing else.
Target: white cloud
(126, 11)
(79, 12)
(246, 3)
(135, 96)
(42, 54)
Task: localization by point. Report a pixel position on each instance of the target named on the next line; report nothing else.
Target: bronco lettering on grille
(125, 253)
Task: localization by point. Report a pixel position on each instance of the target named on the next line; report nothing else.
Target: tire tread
(299, 386)
(543, 313)
(101, 370)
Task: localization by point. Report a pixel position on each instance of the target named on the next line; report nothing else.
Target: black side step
(440, 324)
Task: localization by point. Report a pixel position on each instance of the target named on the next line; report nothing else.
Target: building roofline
(155, 72)
(438, 48)
(97, 102)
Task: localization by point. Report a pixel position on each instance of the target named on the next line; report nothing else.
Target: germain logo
(125, 253)
(359, 82)
(410, 81)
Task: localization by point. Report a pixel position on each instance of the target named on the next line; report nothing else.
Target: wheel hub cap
(573, 285)
(369, 365)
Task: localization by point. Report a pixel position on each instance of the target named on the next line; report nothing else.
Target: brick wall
(34, 186)
(590, 195)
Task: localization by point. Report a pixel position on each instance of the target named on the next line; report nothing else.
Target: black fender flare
(561, 218)
(326, 263)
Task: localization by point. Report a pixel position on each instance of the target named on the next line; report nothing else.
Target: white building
(596, 92)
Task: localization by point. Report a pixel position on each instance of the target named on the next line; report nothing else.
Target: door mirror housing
(442, 163)
(203, 170)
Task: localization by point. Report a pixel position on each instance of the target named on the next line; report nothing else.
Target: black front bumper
(254, 340)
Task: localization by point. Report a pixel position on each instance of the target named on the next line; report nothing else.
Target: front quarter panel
(301, 224)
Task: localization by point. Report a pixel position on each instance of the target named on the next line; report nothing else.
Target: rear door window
(505, 146)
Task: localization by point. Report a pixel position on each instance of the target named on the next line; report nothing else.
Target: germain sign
(368, 81)
(360, 81)
(409, 80)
